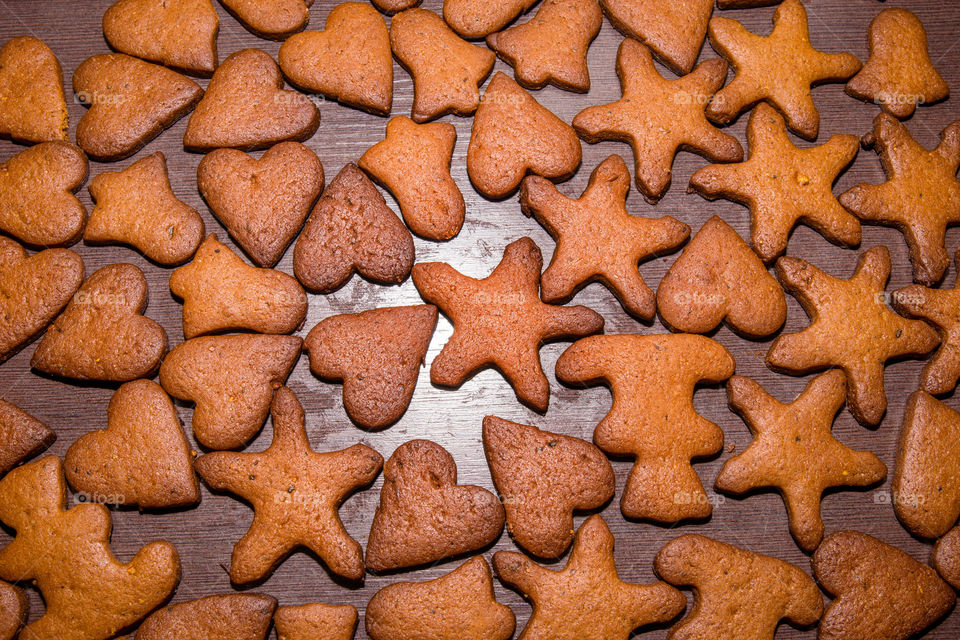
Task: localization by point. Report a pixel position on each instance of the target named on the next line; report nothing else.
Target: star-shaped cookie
(586, 599)
(658, 117)
(779, 68)
(851, 328)
(783, 184)
(500, 321)
(921, 196)
(794, 451)
(295, 493)
(597, 239)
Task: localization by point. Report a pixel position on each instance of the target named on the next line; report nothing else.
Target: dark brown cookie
(315, 621)
(32, 105)
(14, 609)
(235, 616)
(22, 435)
(946, 557)
(478, 18)
(273, 20)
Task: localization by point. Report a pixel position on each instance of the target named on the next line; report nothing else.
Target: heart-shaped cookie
(246, 107)
(101, 335)
(37, 205)
(141, 459)
(22, 435)
(264, 202)
(32, 104)
(424, 515)
(177, 33)
(131, 102)
(349, 61)
(273, 20)
(35, 289)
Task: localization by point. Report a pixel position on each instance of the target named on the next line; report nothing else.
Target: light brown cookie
(234, 616)
(652, 378)
(23, 437)
(794, 451)
(783, 184)
(220, 292)
(851, 327)
(130, 103)
(879, 592)
(586, 599)
(779, 68)
(899, 74)
(745, 4)
(377, 354)
(102, 334)
(177, 33)
(262, 202)
(946, 557)
(391, 7)
(659, 117)
(542, 479)
(312, 621)
(552, 46)
(512, 135)
(499, 321)
(719, 278)
(37, 205)
(475, 19)
(14, 609)
(35, 289)
(232, 379)
(352, 230)
(273, 20)
(349, 61)
(418, 39)
(673, 30)
(141, 459)
(921, 196)
(89, 594)
(457, 606)
(32, 105)
(295, 494)
(246, 107)
(737, 593)
(926, 482)
(597, 240)
(413, 162)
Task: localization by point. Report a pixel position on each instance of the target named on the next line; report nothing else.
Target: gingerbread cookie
(926, 483)
(349, 61)
(141, 459)
(745, 4)
(542, 479)
(35, 289)
(779, 68)
(14, 609)
(419, 38)
(377, 354)
(177, 33)
(946, 557)
(879, 592)
(102, 334)
(295, 493)
(514, 134)
(221, 292)
(899, 74)
(424, 515)
(719, 278)
(794, 451)
(32, 105)
(262, 202)
(413, 162)
(274, 20)
(130, 103)
(457, 606)
(352, 230)
(652, 378)
(475, 19)
(232, 379)
(234, 616)
(921, 196)
(737, 593)
(499, 321)
(246, 107)
(311, 621)
(23, 437)
(659, 117)
(37, 205)
(851, 327)
(586, 598)
(89, 594)
(552, 46)
(783, 184)
(673, 30)
(597, 240)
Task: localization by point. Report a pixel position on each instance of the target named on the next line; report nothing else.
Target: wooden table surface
(205, 535)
